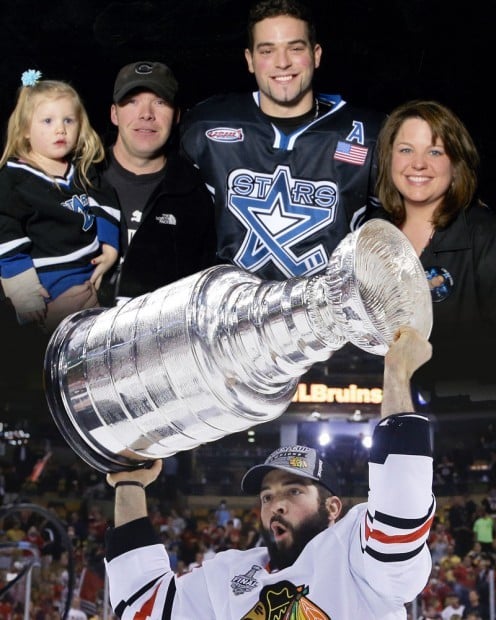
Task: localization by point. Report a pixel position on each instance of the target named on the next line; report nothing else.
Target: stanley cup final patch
(245, 583)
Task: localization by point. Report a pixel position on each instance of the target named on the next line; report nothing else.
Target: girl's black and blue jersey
(56, 225)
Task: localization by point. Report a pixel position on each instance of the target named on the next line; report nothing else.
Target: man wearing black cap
(168, 217)
(364, 566)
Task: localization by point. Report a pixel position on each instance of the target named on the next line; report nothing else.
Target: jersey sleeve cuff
(137, 533)
(403, 433)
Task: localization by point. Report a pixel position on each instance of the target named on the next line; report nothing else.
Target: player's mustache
(281, 520)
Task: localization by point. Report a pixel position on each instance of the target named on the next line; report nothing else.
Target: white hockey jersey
(365, 567)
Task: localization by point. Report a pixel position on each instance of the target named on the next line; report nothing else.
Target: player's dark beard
(286, 556)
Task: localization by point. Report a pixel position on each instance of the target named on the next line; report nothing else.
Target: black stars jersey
(283, 200)
(56, 227)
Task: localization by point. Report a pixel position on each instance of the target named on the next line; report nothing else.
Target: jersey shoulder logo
(279, 212)
(350, 153)
(81, 204)
(225, 134)
(247, 582)
(285, 600)
(351, 149)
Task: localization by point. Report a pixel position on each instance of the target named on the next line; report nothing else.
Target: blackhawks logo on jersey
(285, 601)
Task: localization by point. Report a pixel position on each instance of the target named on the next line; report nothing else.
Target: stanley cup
(221, 351)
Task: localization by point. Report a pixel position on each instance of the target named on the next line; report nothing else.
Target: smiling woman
(427, 185)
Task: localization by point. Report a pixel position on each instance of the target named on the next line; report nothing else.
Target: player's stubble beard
(282, 557)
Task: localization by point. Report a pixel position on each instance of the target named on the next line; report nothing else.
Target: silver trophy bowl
(221, 351)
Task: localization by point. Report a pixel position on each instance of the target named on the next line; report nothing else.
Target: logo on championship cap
(297, 460)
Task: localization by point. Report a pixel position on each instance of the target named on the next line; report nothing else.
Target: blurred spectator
(233, 535)
(13, 530)
(460, 523)
(188, 518)
(79, 524)
(484, 529)
(219, 540)
(97, 524)
(222, 514)
(249, 529)
(75, 611)
(52, 535)
(430, 613)
(182, 568)
(34, 537)
(197, 562)
(474, 606)
(189, 545)
(489, 501)
(178, 522)
(475, 553)
(484, 575)
(450, 560)
(445, 475)
(439, 541)
(436, 590)
(465, 576)
(453, 606)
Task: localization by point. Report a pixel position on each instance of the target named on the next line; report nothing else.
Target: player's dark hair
(324, 494)
(458, 145)
(274, 8)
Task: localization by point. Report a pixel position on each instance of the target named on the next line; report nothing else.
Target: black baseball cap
(154, 76)
(297, 460)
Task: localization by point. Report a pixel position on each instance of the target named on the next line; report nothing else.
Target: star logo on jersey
(80, 204)
(279, 212)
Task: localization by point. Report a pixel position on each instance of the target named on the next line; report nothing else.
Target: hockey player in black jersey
(291, 171)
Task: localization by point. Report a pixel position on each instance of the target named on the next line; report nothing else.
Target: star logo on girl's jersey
(80, 204)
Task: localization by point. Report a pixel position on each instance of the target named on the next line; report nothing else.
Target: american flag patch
(351, 153)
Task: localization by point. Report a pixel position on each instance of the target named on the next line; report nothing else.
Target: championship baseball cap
(154, 76)
(297, 460)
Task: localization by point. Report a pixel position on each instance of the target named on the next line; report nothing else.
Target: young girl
(59, 226)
